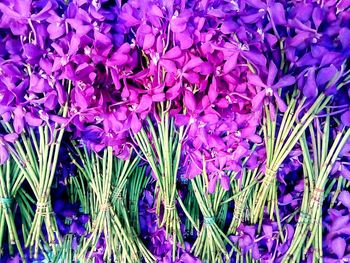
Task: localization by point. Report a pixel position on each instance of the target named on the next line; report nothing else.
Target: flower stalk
(211, 241)
(161, 146)
(36, 154)
(243, 188)
(122, 171)
(137, 182)
(11, 179)
(279, 147)
(317, 168)
(109, 215)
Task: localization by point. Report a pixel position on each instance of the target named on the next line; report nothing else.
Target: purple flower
(4, 146)
(338, 247)
(344, 198)
(245, 239)
(270, 89)
(17, 15)
(345, 118)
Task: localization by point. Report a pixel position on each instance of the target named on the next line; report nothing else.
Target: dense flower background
(174, 131)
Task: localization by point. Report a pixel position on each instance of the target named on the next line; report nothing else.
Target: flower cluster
(225, 124)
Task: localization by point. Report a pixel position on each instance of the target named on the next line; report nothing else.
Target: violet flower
(269, 88)
(4, 147)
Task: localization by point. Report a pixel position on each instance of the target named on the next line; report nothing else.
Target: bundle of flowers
(174, 131)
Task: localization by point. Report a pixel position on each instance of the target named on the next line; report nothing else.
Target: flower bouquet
(137, 183)
(319, 161)
(106, 177)
(35, 151)
(11, 179)
(164, 158)
(211, 242)
(174, 131)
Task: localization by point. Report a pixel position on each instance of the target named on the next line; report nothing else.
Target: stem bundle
(317, 167)
(161, 146)
(279, 147)
(108, 213)
(211, 241)
(11, 179)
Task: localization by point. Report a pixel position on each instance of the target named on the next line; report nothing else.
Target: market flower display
(174, 131)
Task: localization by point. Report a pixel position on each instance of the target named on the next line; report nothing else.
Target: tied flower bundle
(34, 105)
(10, 180)
(107, 182)
(174, 131)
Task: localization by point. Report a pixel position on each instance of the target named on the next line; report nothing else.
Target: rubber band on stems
(169, 207)
(43, 205)
(270, 175)
(117, 195)
(317, 196)
(105, 207)
(304, 218)
(5, 201)
(209, 221)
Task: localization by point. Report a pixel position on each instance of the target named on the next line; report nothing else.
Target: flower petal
(32, 120)
(310, 87)
(193, 63)
(230, 63)
(144, 104)
(225, 182)
(344, 198)
(4, 155)
(181, 119)
(345, 118)
(18, 122)
(190, 101)
(272, 74)
(278, 14)
(256, 81)
(136, 124)
(338, 246)
(11, 137)
(185, 40)
(173, 53)
(149, 41)
(324, 75)
(258, 100)
(280, 103)
(212, 184)
(285, 81)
